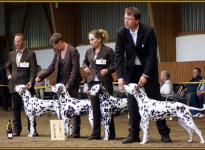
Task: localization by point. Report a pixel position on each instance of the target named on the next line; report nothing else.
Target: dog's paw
(105, 139)
(143, 142)
(30, 135)
(202, 141)
(190, 141)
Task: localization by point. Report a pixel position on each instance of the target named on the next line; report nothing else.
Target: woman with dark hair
(66, 65)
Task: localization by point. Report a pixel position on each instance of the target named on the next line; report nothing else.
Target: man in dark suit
(136, 62)
(21, 69)
(66, 65)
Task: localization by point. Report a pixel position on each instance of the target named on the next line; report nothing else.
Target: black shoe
(16, 134)
(75, 135)
(111, 137)
(130, 139)
(166, 139)
(94, 138)
(35, 133)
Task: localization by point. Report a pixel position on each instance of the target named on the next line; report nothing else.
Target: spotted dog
(35, 107)
(71, 106)
(151, 109)
(109, 105)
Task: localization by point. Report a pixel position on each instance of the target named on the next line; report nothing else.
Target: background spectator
(191, 92)
(166, 86)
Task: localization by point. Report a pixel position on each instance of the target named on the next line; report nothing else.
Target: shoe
(16, 134)
(35, 133)
(166, 139)
(112, 137)
(130, 139)
(201, 116)
(75, 135)
(94, 138)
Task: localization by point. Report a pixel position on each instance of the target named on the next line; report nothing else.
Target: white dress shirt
(134, 37)
(96, 77)
(18, 56)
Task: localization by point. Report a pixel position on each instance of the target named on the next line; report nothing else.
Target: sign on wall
(190, 48)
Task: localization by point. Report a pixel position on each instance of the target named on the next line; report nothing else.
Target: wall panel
(167, 23)
(193, 16)
(108, 16)
(182, 71)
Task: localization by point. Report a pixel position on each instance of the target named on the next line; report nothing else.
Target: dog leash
(42, 87)
(36, 87)
(1, 85)
(115, 83)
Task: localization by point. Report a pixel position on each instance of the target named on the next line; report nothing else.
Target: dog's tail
(199, 109)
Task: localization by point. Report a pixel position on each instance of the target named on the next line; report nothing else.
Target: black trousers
(95, 102)
(16, 109)
(152, 90)
(76, 119)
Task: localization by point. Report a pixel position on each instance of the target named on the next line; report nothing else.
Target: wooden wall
(67, 21)
(165, 18)
(182, 71)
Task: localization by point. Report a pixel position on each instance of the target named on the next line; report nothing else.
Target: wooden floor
(178, 135)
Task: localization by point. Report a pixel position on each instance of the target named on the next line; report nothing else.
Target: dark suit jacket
(71, 67)
(105, 53)
(21, 75)
(145, 49)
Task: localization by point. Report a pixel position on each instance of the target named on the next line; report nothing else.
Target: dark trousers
(152, 90)
(95, 102)
(76, 119)
(16, 108)
(195, 101)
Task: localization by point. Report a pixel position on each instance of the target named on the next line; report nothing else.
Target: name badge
(24, 65)
(100, 62)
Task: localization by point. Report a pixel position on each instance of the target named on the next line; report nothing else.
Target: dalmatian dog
(109, 105)
(35, 107)
(71, 106)
(151, 109)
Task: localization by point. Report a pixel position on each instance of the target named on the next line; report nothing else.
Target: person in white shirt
(166, 88)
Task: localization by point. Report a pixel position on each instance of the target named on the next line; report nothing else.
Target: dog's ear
(22, 91)
(137, 88)
(97, 87)
(60, 89)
